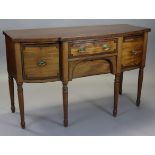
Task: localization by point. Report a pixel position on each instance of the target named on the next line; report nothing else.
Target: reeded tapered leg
(21, 103)
(116, 93)
(65, 103)
(121, 83)
(140, 81)
(11, 89)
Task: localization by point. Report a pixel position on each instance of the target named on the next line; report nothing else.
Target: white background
(77, 9)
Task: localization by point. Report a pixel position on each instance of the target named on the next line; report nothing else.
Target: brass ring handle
(106, 47)
(41, 63)
(134, 52)
(81, 49)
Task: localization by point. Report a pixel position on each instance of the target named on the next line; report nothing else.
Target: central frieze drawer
(91, 47)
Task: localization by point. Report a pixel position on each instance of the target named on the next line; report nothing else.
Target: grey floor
(90, 108)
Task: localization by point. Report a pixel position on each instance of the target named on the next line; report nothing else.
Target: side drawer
(91, 47)
(40, 62)
(132, 51)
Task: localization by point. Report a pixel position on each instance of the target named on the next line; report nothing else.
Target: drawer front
(41, 62)
(90, 47)
(132, 51)
(85, 68)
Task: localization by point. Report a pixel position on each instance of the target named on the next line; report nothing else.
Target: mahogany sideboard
(62, 54)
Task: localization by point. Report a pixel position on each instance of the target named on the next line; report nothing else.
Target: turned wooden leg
(21, 103)
(140, 81)
(11, 89)
(65, 103)
(121, 83)
(116, 93)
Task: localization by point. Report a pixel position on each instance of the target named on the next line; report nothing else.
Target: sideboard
(63, 54)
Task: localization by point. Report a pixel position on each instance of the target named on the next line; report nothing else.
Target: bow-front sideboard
(62, 54)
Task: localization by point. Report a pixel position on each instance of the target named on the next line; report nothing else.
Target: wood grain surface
(32, 55)
(70, 33)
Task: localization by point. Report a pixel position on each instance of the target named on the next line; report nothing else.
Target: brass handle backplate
(41, 63)
(106, 47)
(134, 52)
(81, 50)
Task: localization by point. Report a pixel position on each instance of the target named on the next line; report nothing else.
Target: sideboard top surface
(70, 33)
